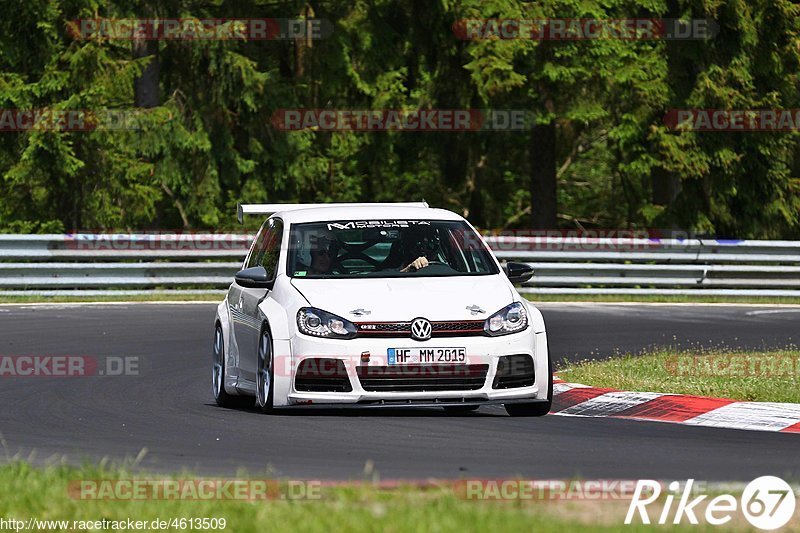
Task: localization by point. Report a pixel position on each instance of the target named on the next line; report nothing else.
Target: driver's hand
(416, 264)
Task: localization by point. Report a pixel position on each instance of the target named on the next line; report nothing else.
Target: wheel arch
(276, 318)
(223, 320)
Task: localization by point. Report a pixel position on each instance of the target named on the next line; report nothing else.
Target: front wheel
(535, 408)
(264, 373)
(222, 398)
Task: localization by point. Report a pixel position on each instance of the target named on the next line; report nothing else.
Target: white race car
(378, 305)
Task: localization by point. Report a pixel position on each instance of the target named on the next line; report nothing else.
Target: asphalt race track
(168, 409)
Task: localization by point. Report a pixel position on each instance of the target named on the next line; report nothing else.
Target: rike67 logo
(767, 503)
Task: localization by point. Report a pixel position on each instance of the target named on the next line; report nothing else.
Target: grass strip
(44, 493)
(769, 376)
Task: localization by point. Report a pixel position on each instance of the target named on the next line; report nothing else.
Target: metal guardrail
(119, 247)
(137, 263)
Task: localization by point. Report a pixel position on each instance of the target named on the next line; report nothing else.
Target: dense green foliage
(209, 142)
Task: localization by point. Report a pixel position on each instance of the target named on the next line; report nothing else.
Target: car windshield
(387, 248)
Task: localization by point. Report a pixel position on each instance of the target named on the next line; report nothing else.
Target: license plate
(407, 356)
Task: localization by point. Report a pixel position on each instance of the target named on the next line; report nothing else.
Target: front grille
(384, 328)
(457, 328)
(322, 375)
(460, 328)
(422, 378)
(514, 371)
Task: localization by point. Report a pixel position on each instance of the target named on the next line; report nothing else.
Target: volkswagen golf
(377, 305)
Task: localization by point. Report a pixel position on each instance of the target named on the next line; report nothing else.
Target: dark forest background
(600, 154)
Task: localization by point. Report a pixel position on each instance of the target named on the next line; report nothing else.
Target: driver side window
(267, 249)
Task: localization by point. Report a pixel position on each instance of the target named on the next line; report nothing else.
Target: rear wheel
(264, 372)
(540, 408)
(222, 398)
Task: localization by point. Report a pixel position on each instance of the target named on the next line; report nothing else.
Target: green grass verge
(772, 376)
(43, 493)
(643, 298)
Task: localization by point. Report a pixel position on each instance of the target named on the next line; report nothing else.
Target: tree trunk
(543, 176)
(145, 87)
(666, 187)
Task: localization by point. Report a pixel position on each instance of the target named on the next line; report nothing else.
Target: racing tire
(222, 398)
(264, 372)
(535, 408)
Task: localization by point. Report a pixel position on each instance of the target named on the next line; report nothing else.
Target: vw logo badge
(421, 329)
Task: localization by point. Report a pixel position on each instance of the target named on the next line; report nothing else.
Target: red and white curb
(572, 399)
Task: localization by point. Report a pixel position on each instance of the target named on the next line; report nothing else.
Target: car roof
(362, 212)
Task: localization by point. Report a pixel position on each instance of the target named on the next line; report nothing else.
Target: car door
(244, 301)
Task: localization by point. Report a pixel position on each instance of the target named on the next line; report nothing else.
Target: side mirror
(254, 278)
(518, 272)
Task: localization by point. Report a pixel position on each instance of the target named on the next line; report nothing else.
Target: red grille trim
(442, 328)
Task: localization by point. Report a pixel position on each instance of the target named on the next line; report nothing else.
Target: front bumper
(479, 350)
(406, 404)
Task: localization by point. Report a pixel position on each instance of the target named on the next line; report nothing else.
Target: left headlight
(510, 319)
(319, 323)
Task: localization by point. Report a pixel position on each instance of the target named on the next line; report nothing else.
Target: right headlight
(319, 323)
(510, 319)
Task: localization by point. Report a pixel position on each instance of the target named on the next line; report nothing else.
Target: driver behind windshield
(421, 249)
(323, 250)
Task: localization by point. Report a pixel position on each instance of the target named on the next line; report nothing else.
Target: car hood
(403, 299)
